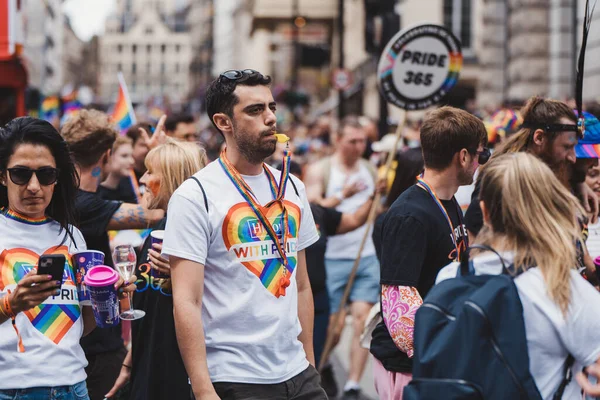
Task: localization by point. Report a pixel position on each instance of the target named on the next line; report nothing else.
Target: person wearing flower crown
(235, 238)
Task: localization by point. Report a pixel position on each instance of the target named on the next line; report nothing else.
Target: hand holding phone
(52, 264)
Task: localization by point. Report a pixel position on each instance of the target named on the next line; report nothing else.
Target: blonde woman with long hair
(530, 219)
(154, 366)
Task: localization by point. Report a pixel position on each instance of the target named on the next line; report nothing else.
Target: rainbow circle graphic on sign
(419, 66)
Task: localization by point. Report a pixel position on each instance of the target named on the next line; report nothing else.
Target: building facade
(201, 18)
(150, 44)
(73, 66)
(44, 27)
(263, 35)
(531, 48)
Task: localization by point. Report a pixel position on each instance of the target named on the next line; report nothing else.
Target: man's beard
(255, 151)
(562, 169)
(465, 177)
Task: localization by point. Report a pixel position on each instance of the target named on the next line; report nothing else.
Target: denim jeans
(75, 392)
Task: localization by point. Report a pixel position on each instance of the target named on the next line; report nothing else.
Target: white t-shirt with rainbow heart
(50, 331)
(251, 334)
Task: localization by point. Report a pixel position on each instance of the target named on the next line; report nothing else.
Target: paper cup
(157, 237)
(100, 281)
(82, 262)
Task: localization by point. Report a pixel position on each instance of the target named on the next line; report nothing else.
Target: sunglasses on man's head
(577, 128)
(238, 75)
(22, 175)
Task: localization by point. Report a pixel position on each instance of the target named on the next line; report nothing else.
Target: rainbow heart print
(55, 317)
(249, 241)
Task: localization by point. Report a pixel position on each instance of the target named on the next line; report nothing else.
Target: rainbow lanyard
(278, 192)
(423, 185)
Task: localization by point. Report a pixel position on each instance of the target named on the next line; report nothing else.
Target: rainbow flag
(50, 108)
(123, 114)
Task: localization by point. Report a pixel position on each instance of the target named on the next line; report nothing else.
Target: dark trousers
(102, 372)
(304, 386)
(321, 300)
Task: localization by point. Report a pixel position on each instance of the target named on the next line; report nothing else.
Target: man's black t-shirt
(94, 216)
(124, 192)
(416, 243)
(377, 227)
(158, 371)
(327, 221)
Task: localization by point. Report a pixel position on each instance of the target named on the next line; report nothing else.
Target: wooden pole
(372, 214)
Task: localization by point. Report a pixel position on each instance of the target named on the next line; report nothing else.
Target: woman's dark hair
(28, 130)
(410, 164)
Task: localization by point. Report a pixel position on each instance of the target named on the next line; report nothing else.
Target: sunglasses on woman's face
(22, 175)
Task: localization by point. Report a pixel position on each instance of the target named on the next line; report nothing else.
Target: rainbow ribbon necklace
(423, 185)
(278, 192)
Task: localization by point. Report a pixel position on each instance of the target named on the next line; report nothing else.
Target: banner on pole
(419, 66)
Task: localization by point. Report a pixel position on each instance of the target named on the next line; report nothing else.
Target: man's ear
(223, 122)
(463, 157)
(539, 137)
(105, 157)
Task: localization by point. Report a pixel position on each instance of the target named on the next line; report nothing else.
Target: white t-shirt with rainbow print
(50, 331)
(251, 334)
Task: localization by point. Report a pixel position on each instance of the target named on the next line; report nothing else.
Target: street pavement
(340, 361)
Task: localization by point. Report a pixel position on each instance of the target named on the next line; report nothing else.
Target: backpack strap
(466, 266)
(568, 375)
(203, 192)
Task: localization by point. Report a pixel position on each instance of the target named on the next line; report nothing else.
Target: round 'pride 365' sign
(419, 66)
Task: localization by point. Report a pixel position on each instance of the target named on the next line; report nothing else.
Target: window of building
(119, 67)
(149, 30)
(148, 67)
(119, 48)
(163, 48)
(176, 68)
(134, 48)
(49, 42)
(458, 18)
(149, 49)
(133, 68)
(177, 48)
(162, 68)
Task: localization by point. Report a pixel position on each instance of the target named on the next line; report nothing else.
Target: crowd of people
(261, 236)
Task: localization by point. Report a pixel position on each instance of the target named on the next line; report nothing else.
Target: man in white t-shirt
(242, 300)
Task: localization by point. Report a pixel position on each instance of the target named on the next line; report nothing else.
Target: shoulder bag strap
(294, 185)
(568, 375)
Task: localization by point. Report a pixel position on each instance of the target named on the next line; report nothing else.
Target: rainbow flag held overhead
(70, 106)
(123, 114)
(50, 108)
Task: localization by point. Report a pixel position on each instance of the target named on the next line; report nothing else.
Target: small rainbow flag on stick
(123, 114)
(50, 108)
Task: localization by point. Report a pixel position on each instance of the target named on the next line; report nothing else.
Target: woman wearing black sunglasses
(41, 321)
